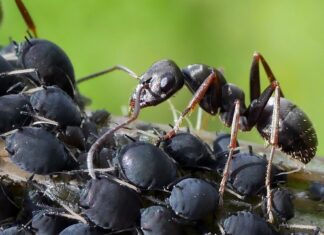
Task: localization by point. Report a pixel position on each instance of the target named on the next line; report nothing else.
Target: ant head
(162, 80)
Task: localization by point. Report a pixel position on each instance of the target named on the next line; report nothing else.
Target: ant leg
(255, 76)
(274, 144)
(231, 147)
(198, 96)
(97, 146)
(108, 70)
(27, 18)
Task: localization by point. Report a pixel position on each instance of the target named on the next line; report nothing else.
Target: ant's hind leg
(231, 147)
(274, 144)
(255, 89)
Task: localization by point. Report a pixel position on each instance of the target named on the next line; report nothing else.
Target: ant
(280, 122)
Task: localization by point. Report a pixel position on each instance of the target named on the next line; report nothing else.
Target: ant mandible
(279, 122)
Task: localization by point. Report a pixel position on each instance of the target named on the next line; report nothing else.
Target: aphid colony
(137, 185)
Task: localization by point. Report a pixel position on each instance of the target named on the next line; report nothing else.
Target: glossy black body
(38, 151)
(53, 103)
(297, 136)
(49, 223)
(282, 204)
(53, 65)
(146, 166)
(189, 151)
(247, 173)
(164, 79)
(11, 107)
(193, 199)
(110, 205)
(7, 82)
(159, 220)
(80, 229)
(246, 223)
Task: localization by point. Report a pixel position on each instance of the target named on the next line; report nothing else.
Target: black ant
(279, 122)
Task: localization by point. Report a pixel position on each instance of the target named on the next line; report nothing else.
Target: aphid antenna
(240, 203)
(124, 183)
(42, 120)
(3, 135)
(221, 229)
(291, 171)
(8, 198)
(173, 110)
(235, 194)
(155, 200)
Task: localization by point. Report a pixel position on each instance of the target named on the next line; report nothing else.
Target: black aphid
(38, 151)
(146, 166)
(110, 205)
(193, 199)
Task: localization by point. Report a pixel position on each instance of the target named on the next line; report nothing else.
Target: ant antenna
(108, 70)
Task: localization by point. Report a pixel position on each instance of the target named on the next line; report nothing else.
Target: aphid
(189, 151)
(53, 66)
(316, 191)
(159, 220)
(16, 230)
(11, 81)
(50, 222)
(8, 209)
(12, 108)
(193, 199)
(246, 223)
(38, 151)
(146, 166)
(282, 204)
(80, 229)
(53, 103)
(247, 173)
(110, 205)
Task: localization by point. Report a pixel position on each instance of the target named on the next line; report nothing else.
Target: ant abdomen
(297, 136)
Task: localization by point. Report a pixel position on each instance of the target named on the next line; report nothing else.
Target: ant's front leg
(198, 96)
(100, 142)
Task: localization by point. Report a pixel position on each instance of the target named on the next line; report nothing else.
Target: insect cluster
(99, 181)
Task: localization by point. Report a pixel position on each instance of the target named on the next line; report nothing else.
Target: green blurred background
(99, 34)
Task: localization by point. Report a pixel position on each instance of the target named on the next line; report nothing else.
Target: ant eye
(167, 83)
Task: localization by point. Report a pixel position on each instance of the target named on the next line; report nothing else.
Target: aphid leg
(274, 144)
(231, 147)
(97, 146)
(108, 70)
(200, 93)
(27, 18)
(312, 228)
